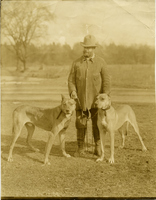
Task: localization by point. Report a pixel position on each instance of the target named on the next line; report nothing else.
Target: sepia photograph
(78, 107)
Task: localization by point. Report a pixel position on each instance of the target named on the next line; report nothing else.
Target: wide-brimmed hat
(89, 41)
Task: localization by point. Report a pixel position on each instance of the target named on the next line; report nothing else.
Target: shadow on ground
(22, 149)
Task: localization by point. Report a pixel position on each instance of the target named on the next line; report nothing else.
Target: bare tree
(22, 23)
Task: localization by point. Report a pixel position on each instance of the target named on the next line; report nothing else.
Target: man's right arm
(72, 82)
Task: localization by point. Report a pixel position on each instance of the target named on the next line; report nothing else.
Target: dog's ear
(63, 97)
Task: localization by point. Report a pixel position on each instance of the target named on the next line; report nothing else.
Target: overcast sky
(120, 21)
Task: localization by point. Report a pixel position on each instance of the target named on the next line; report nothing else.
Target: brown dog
(55, 120)
(110, 120)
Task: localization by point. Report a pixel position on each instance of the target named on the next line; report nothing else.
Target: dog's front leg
(102, 139)
(48, 147)
(112, 133)
(62, 143)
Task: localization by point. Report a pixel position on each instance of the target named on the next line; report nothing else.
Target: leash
(88, 117)
(84, 119)
(86, 139)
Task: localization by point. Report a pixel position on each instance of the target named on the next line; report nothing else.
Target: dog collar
(67, 115)
(59, 114)
(104, 110)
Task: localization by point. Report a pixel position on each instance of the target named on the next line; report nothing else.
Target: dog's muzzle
(68, 112)
(104, 108)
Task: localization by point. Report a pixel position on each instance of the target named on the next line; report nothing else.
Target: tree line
(57, 54)
(24, 23)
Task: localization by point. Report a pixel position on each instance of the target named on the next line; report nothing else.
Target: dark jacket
(88, 79)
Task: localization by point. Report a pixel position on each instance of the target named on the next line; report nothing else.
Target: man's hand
(74, 95)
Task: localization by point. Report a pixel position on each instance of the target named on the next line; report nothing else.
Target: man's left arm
(106, 79)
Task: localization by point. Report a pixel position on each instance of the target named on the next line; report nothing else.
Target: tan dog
(110, 120)
(55, 120)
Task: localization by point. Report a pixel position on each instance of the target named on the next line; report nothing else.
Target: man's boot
(96, 136)
(80, 142)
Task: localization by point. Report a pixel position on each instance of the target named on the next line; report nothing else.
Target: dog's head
(68, 105)
(103, 101)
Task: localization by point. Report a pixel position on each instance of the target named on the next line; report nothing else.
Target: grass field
(133, 76)
(132, 175)
(126, 76)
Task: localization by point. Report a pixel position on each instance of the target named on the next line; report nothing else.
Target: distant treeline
(57, 54)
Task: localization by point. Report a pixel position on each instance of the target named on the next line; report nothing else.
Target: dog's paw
(111, 160)
(34, 149)
(46, 162)
(99, 159)
(10, 159)
(121, 146)
(66, 155)
(144, 148)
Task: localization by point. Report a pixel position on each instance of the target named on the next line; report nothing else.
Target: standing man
(88, 77)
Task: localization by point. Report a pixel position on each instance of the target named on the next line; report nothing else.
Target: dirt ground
(132, 175)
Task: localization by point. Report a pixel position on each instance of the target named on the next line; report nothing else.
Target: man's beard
(87, 54)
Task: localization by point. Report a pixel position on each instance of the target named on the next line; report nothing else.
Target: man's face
(88, 51)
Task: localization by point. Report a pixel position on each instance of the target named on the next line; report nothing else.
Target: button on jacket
(88, 78)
